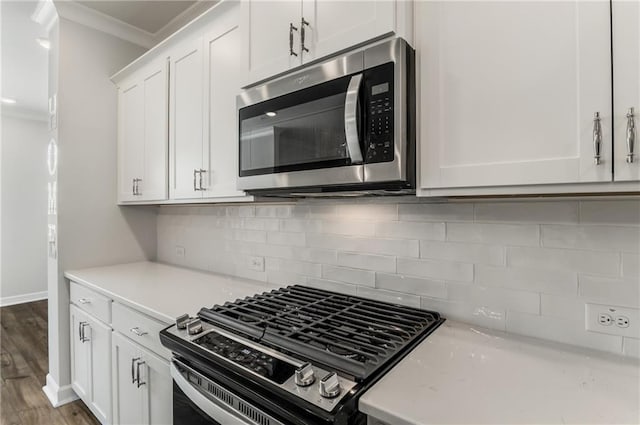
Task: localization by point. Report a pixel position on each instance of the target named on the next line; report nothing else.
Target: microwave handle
(351, 120)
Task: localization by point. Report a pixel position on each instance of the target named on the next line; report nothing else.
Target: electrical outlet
(613, 320)
(180, 252)
(256, 263)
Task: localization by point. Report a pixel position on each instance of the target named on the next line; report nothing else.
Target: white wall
(522, 267)
(24, 210)
(92, 230)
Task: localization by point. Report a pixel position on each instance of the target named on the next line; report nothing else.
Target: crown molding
(191, 13)
(83, 15)
(45, 14)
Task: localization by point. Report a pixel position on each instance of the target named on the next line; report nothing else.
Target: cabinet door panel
(223, 81)
(336, 25)
(156, 94)
(127, 397)
(502, 110)
(100, 374)
(130, 139)
(266, 32)
(158, 390)
(80, 354)
(186, 119)
(626, 83)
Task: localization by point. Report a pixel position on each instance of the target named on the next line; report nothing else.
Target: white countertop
(468, 375)
(162, 291)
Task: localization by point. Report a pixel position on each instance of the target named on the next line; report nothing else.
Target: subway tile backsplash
(523, 267)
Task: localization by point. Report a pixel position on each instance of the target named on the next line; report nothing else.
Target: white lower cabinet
(142, 384)
(90, 352)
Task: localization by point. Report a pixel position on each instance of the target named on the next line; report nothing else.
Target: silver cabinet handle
(195, 171)
(137, 331)
(133, 361)
(84, 301)
(80, 331)
(303, 48)
(139, 383)
(138, 187)
(201, 172)
(291, 30)
(351, 121)
(133, 187)
(631, 135)
(597, 138)
(83, 338)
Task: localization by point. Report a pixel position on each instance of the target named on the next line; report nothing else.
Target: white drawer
(92, 302)
(140, 328)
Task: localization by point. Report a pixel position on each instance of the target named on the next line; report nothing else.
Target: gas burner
(342, 351)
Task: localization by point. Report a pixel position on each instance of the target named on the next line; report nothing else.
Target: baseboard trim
(26, 298)
(58, 395)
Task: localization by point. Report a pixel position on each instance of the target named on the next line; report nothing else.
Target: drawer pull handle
(631, 135)
(133, 362)
(83, 337)
(139, 383)
(84, 301)
(597, 138)
(137, 331)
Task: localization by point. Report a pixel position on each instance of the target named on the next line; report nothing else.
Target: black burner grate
(352, 334)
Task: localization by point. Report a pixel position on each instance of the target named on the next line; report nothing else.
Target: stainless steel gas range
(295, 355)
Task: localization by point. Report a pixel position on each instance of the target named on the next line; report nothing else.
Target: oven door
(197, 400)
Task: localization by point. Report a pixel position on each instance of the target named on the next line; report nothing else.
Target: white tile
(580, 261)
(465, 252)
(260, 249)
(564, 331)
(561, 306)
(389, 296)
(625, 212)
(273, 211)
(493, 318)
(527, 212)
(250, 235)
(286, 238)
(533, 279)
(260, 224)
(243, 211)
(411, 230)
(300, 225)
(344, 274)
(330, 285)
(411, 285)
(348, 227)
(508, 234)
(435, 269)
(631, 347)
(436, 212)
(610, 291)
(631, 266)
(374, 262)
(293, 266)
(285, 278)
(367, 211)
(319, 211)
(612, 238)
(315, 255)
(405, 248)
(250, 274)
(501, 298)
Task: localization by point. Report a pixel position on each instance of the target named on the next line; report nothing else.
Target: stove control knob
(181, 321)
(329, 386)
(304, 375)
(194, 327)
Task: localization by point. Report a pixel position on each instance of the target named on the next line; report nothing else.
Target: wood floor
(23, 367)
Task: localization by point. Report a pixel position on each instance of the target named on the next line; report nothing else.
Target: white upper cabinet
(280, 35)
(508, 92)
(186, 112)
(142, 135)
(626, 83)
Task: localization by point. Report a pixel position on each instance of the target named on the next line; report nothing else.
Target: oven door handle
(351, 119)
(215, 411)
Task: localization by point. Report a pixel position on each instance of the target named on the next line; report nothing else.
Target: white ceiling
(24, 62)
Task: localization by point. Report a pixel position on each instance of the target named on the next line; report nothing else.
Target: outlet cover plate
(593, 312)
(256, 263)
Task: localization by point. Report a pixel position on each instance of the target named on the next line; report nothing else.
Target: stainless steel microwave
(342, 126)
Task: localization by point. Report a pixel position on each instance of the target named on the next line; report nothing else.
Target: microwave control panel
(380, 111)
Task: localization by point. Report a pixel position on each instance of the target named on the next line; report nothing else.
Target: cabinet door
(186, 119)
(127, 396)
(156, 94)
(130, 139)
(223, 62)
(626, 83)
(512, 103)
(100, 379)
(266, 28)
(157, 389)
(80, 353)
(335, 25)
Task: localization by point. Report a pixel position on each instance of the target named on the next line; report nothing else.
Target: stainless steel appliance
(347, 124)
(295, 355)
